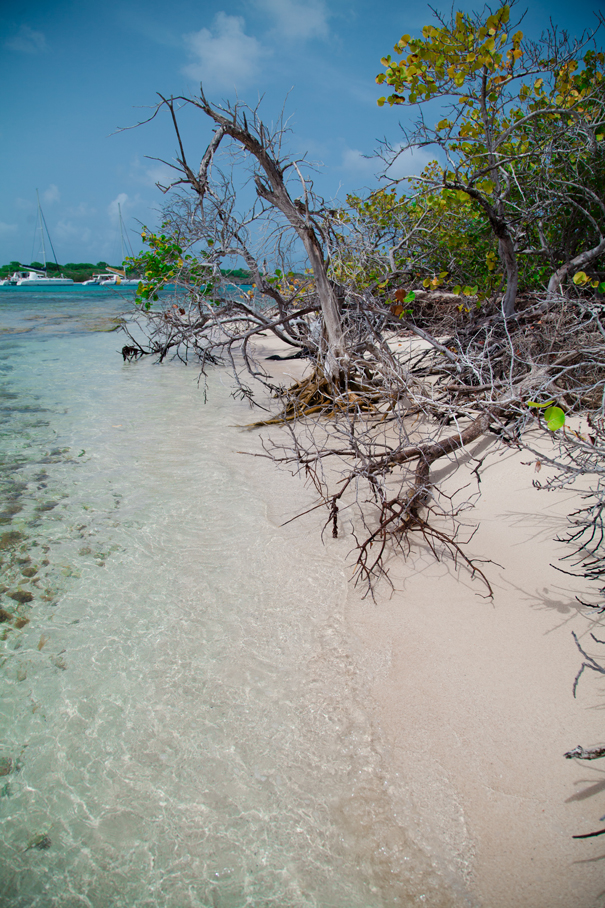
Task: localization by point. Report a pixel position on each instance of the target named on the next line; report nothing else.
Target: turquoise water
(183, 722)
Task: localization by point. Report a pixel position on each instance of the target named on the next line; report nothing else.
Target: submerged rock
(21, 596)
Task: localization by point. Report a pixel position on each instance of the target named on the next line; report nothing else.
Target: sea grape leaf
(555, 418)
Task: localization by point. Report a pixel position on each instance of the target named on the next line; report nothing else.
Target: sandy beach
(473, 702)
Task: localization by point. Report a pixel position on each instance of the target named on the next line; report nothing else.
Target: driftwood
(585, 753)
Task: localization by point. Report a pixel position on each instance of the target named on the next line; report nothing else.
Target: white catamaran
(37, 277)
(116, 276)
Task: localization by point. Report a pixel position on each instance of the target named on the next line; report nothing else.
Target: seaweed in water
(10, 540)
(41, 842)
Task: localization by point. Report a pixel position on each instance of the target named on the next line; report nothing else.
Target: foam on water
(183, 720)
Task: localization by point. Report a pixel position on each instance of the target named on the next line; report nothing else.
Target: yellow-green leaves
(486, 186)
(435, 281)
(581, 279)
(452, 53)
(491, 260)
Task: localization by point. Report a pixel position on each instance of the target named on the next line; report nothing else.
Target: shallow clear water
(183, 722)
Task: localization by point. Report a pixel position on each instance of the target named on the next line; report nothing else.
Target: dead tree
(276, 178)
(370, 420)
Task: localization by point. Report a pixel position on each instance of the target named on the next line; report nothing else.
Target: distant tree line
(83, 271)
(77, 271)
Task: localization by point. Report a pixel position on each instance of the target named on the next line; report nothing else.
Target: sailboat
(115, 276)
(35, 277)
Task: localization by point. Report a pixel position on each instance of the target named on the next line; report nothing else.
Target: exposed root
(318, 395)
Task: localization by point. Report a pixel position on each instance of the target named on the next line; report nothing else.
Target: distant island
(84, 271)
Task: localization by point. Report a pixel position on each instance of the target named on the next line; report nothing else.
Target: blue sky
(73, 71)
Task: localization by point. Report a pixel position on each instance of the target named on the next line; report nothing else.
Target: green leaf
(411, 296)
(533, 403)
(555, 418)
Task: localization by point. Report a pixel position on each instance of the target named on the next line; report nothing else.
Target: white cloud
(121, 201)
(160, 173)
(410, 163)
(293, 19)
(67, 232)
(51, 194)
(354, 161)
(27, 41)
(7, 229)
(152, 174)
(83, 210)
(224, 56)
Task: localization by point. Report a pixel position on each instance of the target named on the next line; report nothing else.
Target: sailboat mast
(41, 229)
(126, 244)
(44, 226)
(121, 232)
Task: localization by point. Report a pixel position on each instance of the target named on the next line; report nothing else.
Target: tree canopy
(518, 124)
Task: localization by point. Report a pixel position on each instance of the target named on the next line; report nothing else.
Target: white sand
(473, 699)
(477, 703)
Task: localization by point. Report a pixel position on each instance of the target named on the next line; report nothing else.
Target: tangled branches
(389, 392)
(368, 439)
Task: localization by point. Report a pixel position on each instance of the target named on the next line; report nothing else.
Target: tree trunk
(273, 189)
(508, 258)
(336, 360)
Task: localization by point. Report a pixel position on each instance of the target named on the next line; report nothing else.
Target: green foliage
(448, 243)
(447, 58)
(241, 275)
(522, 122)
(166, 262)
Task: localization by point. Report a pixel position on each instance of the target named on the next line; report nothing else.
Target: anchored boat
(37, 277)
